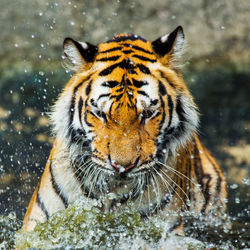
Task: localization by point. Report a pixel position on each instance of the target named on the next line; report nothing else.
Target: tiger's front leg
(56, 189)
(209, 195)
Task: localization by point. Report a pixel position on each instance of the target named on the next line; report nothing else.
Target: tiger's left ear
(169, 46)
(79, 53)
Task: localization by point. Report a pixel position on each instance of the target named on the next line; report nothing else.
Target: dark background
(216, 68)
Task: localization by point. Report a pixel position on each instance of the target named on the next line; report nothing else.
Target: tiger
(126, 131)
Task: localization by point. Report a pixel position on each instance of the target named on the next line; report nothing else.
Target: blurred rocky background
(216, 68)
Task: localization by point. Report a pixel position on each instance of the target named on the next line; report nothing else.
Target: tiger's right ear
(169, 47)
(79, 52)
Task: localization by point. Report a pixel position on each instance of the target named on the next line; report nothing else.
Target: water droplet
(237, 200)
(234, 186)
(246, 181)
(41, 73)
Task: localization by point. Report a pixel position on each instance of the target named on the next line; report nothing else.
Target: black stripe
(105, 59)
(128, 51)
(93, 114)
(99, 114)
(129, 83)
(137, 48)
(219, 180)
(162, 89)
(72, 104)
(57, 188)
(110, 109)
(170, 110)
(80, 104)
(118, 97)
(125, 64)
(163, 113)
(109, 70)
(110, 84)
(110, 50)
(102, 96)
(41, 204)
(206, 194)
(157, 114)
(88, 88)
(180, 111)
(143, 58)
(139, 84)
(142, 93)
(85, 119)
(166, 78)
(120, 89)
(143, 69)
(200, 175)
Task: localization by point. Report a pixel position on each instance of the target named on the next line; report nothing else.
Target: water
(83, 226)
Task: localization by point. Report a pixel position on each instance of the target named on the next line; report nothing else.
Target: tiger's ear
(79, 53)
(170, 46)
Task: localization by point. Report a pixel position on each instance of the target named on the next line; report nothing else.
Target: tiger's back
(126, 124)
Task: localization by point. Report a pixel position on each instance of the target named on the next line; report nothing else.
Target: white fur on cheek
(60, 114)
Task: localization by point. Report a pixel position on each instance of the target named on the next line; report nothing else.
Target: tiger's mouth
(122, 173)
(147, 184)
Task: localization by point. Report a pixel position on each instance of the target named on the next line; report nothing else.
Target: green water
(84, 226)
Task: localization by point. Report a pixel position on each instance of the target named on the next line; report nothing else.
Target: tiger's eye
(146, 114)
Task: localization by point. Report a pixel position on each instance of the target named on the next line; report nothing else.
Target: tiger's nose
(124, 169)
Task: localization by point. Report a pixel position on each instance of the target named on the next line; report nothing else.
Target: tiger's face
(129, 107)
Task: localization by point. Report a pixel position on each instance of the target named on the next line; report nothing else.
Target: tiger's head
(127, 107)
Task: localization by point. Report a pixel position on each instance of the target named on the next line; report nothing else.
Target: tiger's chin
(146, 185)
